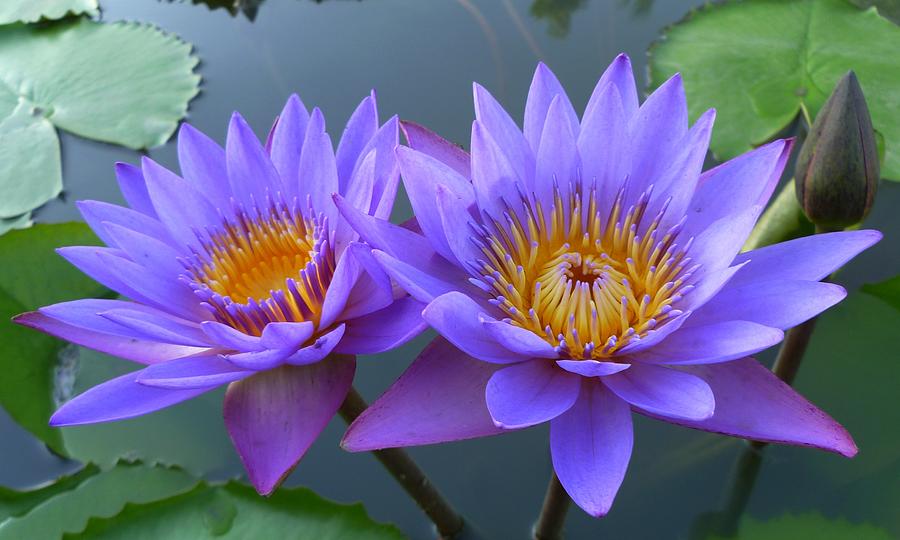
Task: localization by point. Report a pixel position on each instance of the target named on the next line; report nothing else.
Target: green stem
(783, 220)
(553, 513)
(409, 475)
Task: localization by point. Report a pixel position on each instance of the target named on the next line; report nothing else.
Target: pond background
(421, 56)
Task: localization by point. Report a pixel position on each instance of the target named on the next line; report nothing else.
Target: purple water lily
(582, 269)
(242, 272)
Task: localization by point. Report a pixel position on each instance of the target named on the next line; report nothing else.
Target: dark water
(421, 56)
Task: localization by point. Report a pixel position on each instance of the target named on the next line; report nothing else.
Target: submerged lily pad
(811, 525)
(33, 275)
(96, 495)
(235, 511)
(888, 290)
(29, 11)
(761, 63)
(123, 83)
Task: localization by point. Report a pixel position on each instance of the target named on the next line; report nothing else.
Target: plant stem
(743, 480)
(792, 350)
(553, 514)
(409, 475)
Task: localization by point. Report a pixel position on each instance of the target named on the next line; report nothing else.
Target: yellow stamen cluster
(272, 267)
(590, 284)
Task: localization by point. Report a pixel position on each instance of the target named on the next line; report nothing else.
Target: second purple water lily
(581, 269)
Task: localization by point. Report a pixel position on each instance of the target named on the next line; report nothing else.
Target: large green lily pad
(762, 63)
(888, 8)
(14, 502)
(95, 495)
(235, 511)
(810, 525)
(122, 83)
(33, 275)
(29, 11)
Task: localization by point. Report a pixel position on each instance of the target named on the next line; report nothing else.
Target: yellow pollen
(272, 267)
(589, 284)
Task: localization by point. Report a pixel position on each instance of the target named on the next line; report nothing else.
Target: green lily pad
(235, 511)
(122, 83)
(30, 168)
(20, 222)
(811, 525)
(33, 275)
(98, 495)
(888, 8)
(14, 503)
(888, 290)
(29, 11)
(761, 63)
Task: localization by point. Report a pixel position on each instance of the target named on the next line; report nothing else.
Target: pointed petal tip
(318, 115)
(542, 69)
(183, 129)
(24, 319)
(57, 421)
(351, 442)
(848, 447)
(875, 235)
(60, 418)
(265, 487)
(124, 166)
(595, 511)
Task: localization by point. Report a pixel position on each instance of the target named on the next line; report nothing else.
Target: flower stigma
(270, 264)
(590, 283)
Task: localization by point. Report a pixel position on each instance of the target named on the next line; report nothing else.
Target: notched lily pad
(96, 495)
(235, 511)
(762, 63)
(29, 11)
(122, 83)
(811, 525)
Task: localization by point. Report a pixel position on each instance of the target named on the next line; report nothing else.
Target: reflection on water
(639, 8)
(557, 13)
(247, 8)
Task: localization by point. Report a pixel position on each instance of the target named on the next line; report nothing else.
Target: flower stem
(409, 475)
(553, 514)
(791, 353)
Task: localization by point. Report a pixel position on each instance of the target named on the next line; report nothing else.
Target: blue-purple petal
(590, 445)
(530, 393)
